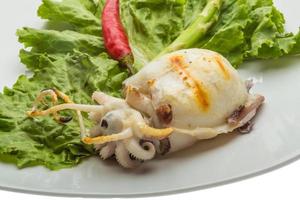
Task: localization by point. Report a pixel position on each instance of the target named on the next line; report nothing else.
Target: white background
(283, 184)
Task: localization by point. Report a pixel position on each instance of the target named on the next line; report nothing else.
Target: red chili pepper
(115, 38)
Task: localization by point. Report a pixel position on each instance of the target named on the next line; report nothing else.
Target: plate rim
(282, 163)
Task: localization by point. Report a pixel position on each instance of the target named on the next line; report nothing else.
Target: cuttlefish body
(175, 100)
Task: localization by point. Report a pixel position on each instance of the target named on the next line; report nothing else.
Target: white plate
(274, 142)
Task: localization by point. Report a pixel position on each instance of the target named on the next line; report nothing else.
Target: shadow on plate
(201, 147)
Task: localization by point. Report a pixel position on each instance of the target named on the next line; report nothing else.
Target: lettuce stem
(198, 29)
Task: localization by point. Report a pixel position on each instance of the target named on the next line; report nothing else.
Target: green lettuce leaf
(246, 29)
(80, 14)
(157, 22)
(42, 141)
(52, 41)
(71, 59)
(296, 48)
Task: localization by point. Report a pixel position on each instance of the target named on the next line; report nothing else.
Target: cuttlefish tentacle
(154, 133)
(145, 151)
(40, 98)
(127, 133)
(102, 98)
(248, 111)
(67, 99)
(98, 147)
(54, 93)
(108, 150)
(123, 157)
(65, 106)
(139, 101)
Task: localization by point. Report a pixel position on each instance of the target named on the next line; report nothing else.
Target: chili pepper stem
(127, 61)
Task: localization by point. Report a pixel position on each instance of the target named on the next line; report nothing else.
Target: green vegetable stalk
(198, 29)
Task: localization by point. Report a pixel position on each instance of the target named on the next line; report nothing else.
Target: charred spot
(164, 113)
(151, 82)
(177, 61)
(164, 146)
(234, 117)
(104, 123)
(65, 119)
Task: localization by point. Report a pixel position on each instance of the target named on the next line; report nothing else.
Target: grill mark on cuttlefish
(179, 65)
(221, 65)
(151, 82)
